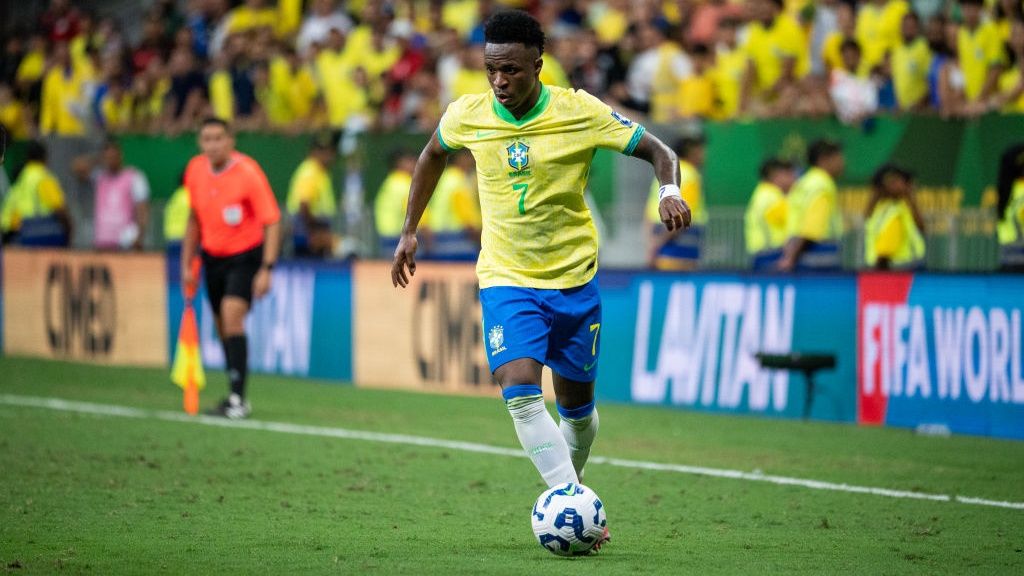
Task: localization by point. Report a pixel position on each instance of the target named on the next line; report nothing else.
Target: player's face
(216, 143)
(513, 71)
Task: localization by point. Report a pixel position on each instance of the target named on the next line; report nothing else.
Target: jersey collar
(538, 108)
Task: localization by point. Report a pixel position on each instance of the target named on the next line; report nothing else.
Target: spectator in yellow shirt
(63, 110)
(390, 204)
(893, 232)
(13, 114)
(778, 51)
(911, 63)
(979, 51)
(831, 53)
(1010, 98)
(730, 67)
(878, 28)
(813, 221)
(695, 95)
(311, 203)
(765, 218)
(34, 212)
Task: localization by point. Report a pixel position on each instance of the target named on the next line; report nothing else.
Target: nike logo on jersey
(587, 367)
(482, 133)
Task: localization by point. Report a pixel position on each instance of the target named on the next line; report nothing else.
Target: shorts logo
(622, 119)
(496, 338)
(518, 156)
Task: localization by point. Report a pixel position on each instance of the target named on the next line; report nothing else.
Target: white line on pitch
(328, 432)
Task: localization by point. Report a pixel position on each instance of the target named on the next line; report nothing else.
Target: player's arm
(671, 208)
(424, 180)
(189, 250)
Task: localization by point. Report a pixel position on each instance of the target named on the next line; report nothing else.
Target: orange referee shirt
(232, 206)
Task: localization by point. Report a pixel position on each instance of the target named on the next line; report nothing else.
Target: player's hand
(188, 280)
(261, 283)
(405, 258)
(675, 213)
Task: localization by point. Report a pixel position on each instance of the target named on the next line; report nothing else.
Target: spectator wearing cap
(680, 249)
(813, 221)
(311, 204)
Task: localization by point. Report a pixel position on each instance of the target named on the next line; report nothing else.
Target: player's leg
(233, 310)
(515, 332)
(574, 347)
(578, 418)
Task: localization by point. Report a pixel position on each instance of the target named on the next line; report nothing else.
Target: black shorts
(231, 275)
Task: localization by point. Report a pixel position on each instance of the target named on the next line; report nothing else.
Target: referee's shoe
(233, 408)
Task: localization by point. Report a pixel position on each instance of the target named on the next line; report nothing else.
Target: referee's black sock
(237, 357)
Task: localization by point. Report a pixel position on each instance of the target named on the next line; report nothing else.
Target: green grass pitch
(97, 494)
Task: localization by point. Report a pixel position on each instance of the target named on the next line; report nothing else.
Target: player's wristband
(668, 190)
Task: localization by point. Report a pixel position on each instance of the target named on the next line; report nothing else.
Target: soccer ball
(568, 519)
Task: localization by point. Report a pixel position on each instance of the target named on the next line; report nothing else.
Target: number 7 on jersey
(521, 186)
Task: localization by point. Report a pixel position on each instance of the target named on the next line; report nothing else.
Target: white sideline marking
(328, 432)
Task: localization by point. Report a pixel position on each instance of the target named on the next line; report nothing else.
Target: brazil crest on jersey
(531, 173)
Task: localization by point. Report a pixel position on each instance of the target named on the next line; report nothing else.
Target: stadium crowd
(292, 65)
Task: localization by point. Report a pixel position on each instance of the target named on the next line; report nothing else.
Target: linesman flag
(187, 370)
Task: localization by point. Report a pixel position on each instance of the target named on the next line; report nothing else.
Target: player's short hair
(890, 169)
(514, 27)
(849, 44)
(821, 149)
(215, 121)
(773, 165)
(686, 144)
(35, 151)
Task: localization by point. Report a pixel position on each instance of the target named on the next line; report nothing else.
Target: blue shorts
(558, 328)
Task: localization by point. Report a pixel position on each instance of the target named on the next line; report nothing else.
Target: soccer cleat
(232, 408)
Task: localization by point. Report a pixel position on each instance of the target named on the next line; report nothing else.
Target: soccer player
(236, 220)
(533, 145)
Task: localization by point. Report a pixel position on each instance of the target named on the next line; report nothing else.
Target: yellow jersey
(813, 208)
(453, 207)
(35, 193)
(390, 205)
(765, 218)
(878, 30)
(531, 173)
(62, 109)
(730, 68)
(691, 188)
(910, 66)
(1008, 83)
(891, 233)
(311, 184)
(695, 96)
(768, 47)
(978, 52)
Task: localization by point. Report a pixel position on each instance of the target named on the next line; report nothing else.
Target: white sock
(539, 435)
(579, 434)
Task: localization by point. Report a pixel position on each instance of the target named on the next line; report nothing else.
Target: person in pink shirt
(122, 200)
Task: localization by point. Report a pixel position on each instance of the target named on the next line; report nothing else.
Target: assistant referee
(236, 220)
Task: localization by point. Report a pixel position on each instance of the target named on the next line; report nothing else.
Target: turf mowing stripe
(404, 439)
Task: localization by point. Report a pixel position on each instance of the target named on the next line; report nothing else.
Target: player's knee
(521, 371)
(232, 316)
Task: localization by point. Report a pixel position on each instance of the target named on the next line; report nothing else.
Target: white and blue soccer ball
(569, 519)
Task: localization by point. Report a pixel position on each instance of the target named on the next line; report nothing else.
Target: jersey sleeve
(449, 129)
(816, 219)
(50, 193)
(608, 128)
(264, 205)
